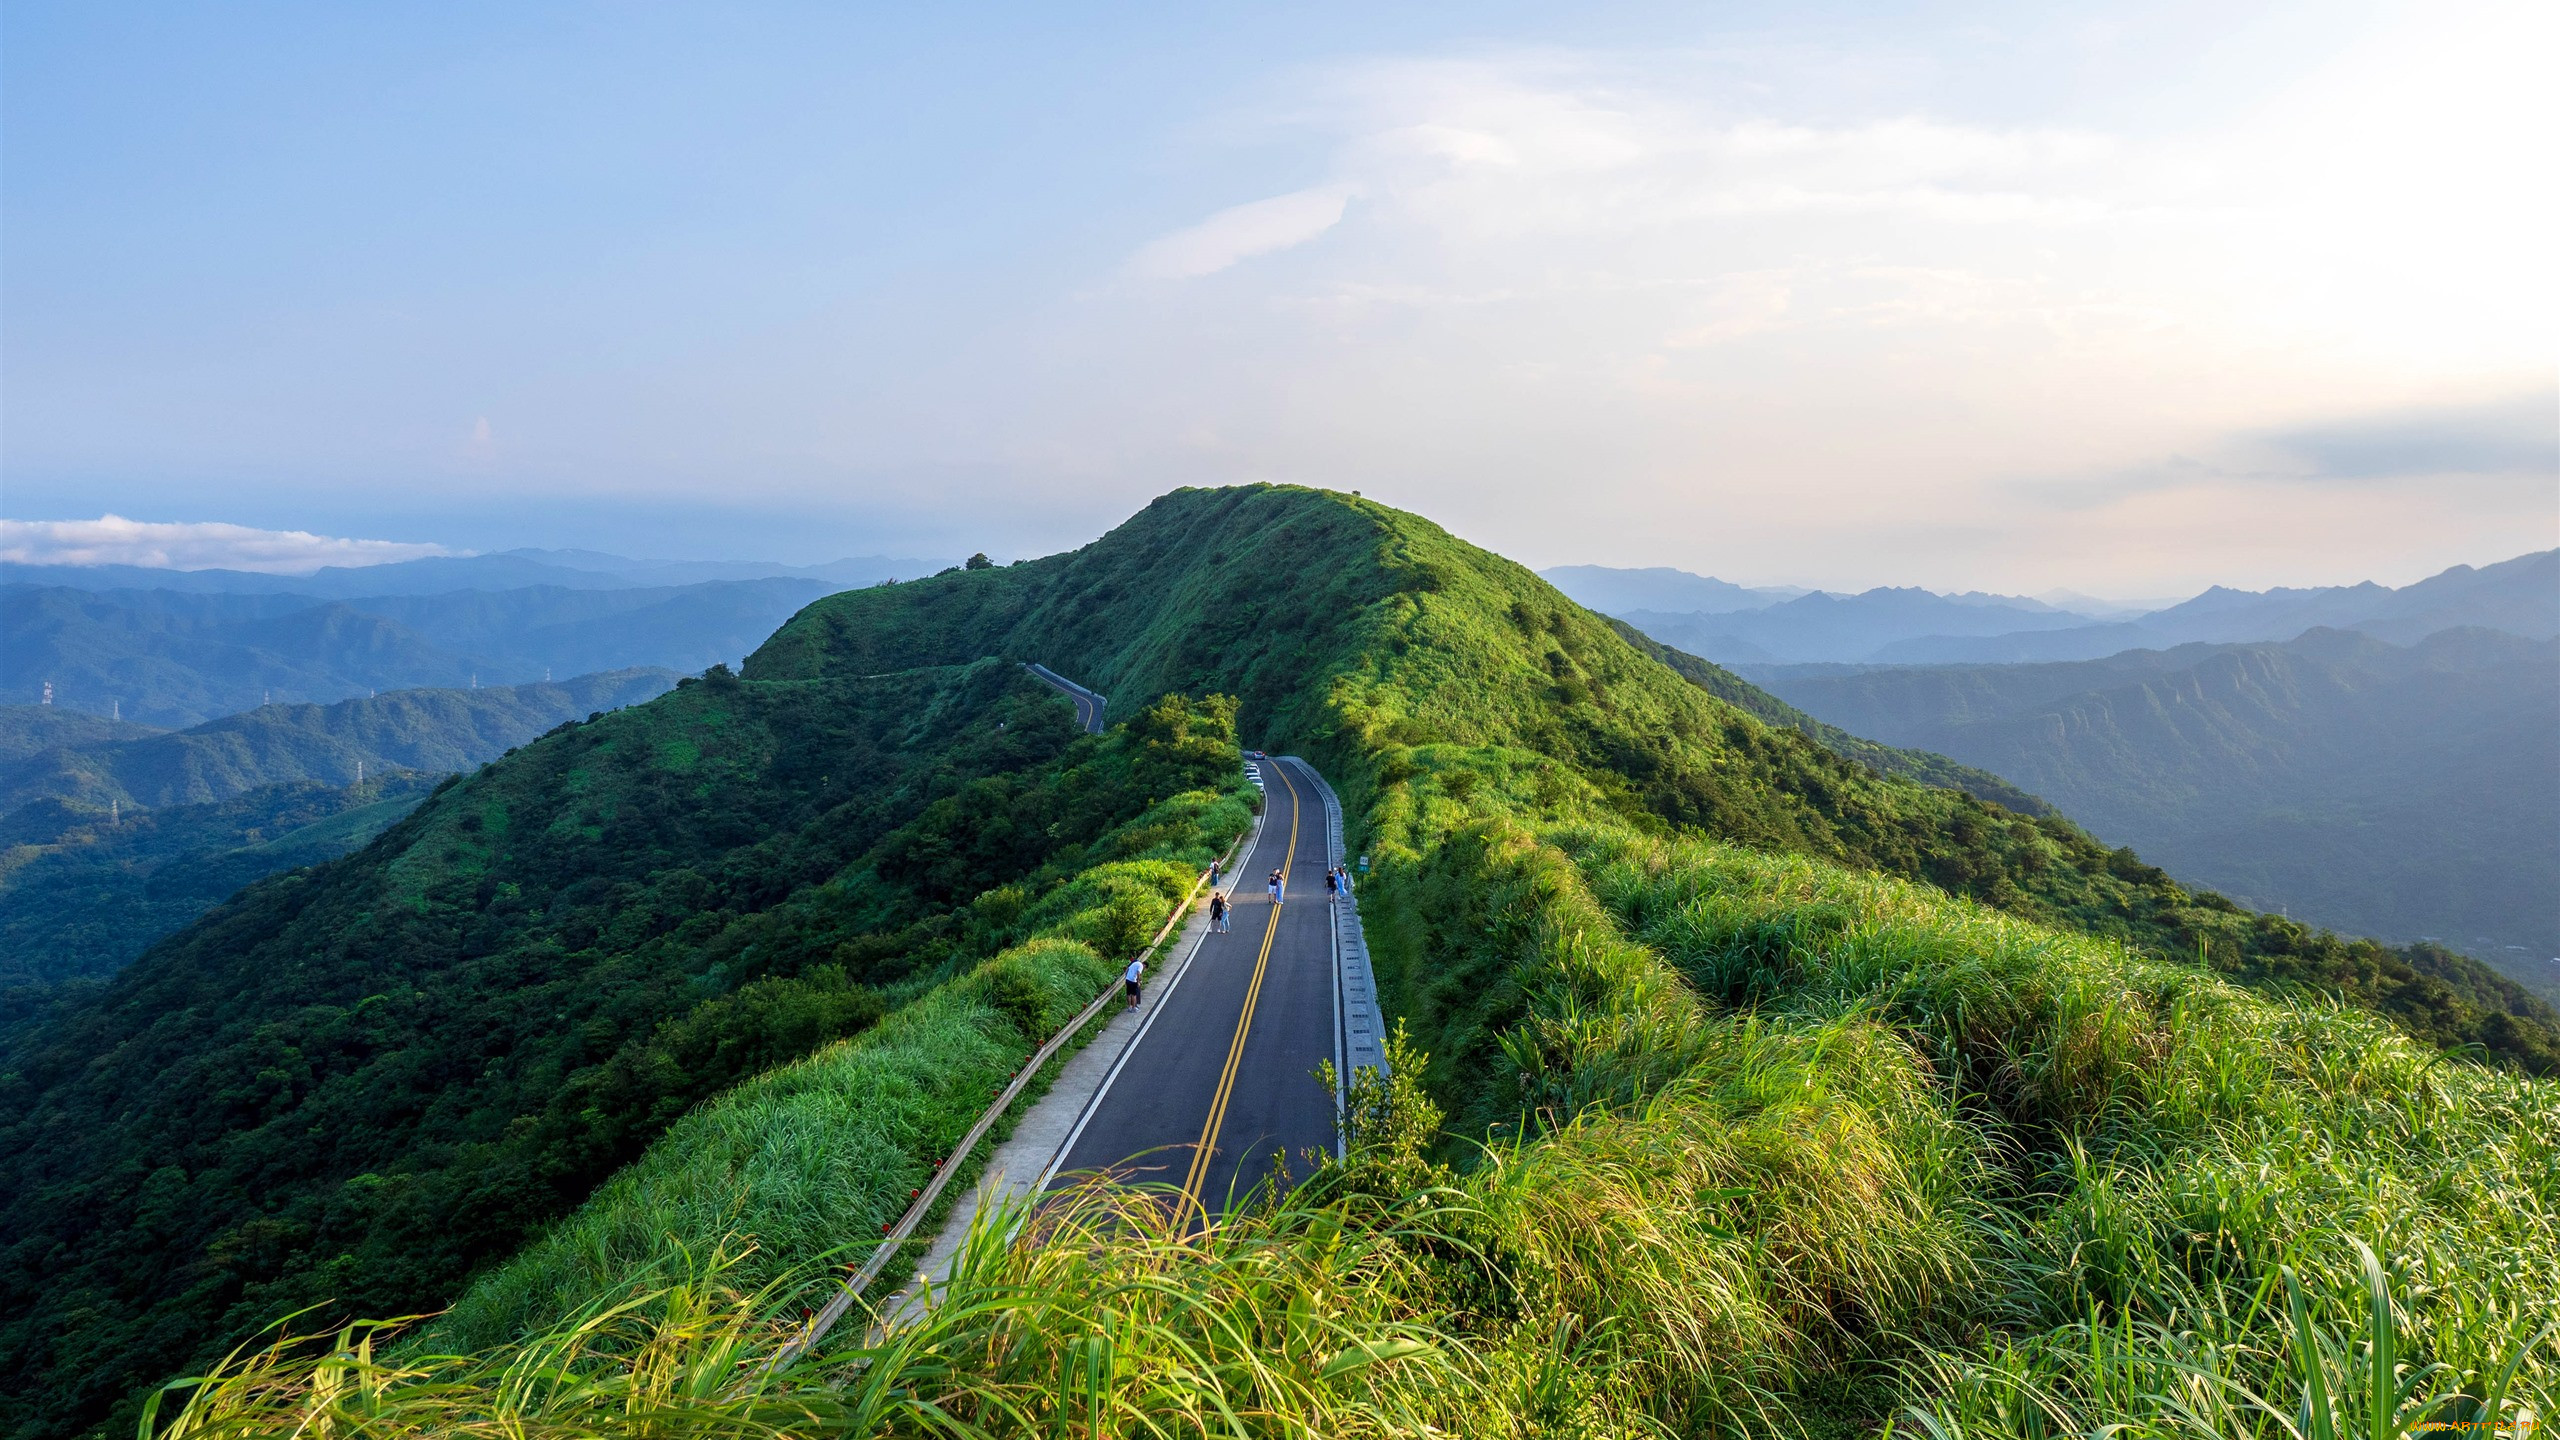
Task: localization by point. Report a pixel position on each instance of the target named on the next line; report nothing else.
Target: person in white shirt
(1129, 980)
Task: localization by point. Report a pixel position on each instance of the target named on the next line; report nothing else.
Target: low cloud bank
(199, 545)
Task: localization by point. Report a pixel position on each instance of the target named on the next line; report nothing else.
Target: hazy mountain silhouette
(2403, 792)
(173, 659)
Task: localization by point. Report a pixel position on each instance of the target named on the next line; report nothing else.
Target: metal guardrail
(1360, 1034)
(1089, 705)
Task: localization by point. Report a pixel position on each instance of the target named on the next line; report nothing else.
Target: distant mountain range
(1613, 591)
(174, 658)
(113, 834)
(1731, 625)
(2519, 596)
(59, 776)
(1822, 626)
(208, 728)
(505, 570)
(2403, 792)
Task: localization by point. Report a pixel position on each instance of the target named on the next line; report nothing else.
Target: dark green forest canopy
(94, 895)
(358, 1083)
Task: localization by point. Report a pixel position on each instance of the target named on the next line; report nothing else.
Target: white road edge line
(1067, 1146)
(1341, 1078)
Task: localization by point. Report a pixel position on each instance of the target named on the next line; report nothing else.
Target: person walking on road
(1217, 911)
(1129, 980)
(1275, 887)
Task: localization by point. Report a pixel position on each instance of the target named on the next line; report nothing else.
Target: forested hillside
(2398, 791)
(432, 730)
(1821, 1087)
(31, 729)
(92, 895)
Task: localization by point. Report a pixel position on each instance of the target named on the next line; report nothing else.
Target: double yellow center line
(1201, 1154)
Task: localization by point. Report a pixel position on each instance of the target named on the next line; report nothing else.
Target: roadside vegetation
(1746, 1089)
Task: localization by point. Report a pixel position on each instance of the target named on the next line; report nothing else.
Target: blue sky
(2128, 298)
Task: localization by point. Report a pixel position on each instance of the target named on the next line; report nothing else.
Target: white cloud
(1242, 232)
(199, 545)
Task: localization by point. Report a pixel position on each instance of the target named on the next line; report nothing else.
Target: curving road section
(1216, 1094)
(1089, 706)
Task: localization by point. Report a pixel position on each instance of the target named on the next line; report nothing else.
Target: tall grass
(2173, 1153)
(1286, 1321)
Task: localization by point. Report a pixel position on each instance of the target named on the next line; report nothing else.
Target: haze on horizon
(2125, 299)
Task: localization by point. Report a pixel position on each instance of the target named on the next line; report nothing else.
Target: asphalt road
(1219, 1089)
(1088, 705)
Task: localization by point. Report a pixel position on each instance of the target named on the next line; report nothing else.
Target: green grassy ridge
(1363, 635)
(1355, 631)
(1806, 1141)
(89, 900)
(2031, 1127)
(360, 1082)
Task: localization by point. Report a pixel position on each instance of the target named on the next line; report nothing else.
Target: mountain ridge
(1912, 625)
